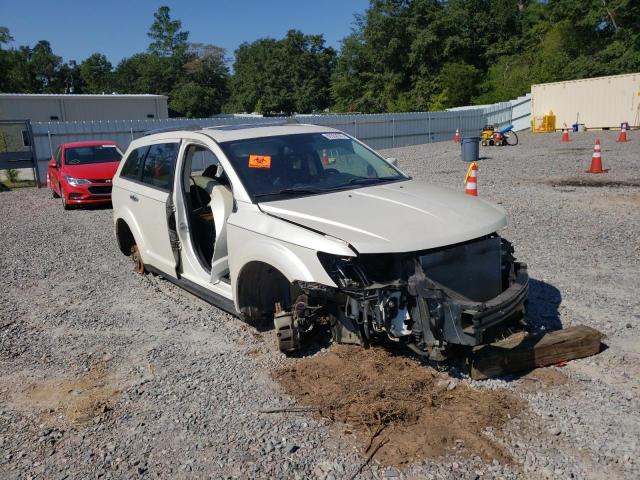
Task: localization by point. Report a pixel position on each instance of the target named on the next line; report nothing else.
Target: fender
(124, 214)
(294, 262)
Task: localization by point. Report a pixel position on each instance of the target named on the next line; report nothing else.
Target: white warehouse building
(70, 107)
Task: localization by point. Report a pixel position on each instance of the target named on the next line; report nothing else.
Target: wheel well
(124, 237)
(260, 286)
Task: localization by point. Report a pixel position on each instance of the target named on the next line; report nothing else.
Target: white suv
(306, 226)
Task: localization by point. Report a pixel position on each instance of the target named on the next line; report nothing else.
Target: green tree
(146, 73)
(45, 66)
(5, 59)
(96, 73)
(458, 84)
(190, 99)
(287, 75)
(167, 37)
(5, 36)
(202, 87)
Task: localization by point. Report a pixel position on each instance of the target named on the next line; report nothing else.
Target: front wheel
(65, 205)
(511, 138)
(54, 193)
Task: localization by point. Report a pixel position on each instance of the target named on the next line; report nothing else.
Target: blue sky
(118, 28)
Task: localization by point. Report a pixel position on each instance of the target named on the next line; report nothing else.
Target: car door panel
(54, 173)
(221, 206)
(145, 186)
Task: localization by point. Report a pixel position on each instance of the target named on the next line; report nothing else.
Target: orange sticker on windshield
(259, 161)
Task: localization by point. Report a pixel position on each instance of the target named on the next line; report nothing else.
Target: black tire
(53, 193)
(65, 206)
(511, 138)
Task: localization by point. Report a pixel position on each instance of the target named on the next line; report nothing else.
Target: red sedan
(81, 172)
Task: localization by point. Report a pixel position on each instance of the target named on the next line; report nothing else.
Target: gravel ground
(104, 373)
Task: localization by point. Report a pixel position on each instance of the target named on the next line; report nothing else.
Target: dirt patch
(543, 379)
(632, 200)
(573, 150)
(592, 182)
(79, 399)
(413, 411)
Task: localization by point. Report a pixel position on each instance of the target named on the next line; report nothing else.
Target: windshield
(305, 164)
(92, 154)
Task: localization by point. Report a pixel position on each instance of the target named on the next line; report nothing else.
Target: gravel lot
(104, 373)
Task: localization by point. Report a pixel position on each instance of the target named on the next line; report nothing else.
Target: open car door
(221, 207)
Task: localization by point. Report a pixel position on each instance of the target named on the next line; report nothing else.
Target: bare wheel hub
(138, 264)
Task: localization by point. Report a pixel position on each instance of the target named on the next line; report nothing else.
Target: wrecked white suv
(309, 228)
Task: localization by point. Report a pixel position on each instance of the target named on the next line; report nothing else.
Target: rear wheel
(138, 264)
(511, 138)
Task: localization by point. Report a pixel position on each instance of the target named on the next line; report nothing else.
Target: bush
(12, 175)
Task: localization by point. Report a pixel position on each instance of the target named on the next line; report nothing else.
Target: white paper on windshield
(335, 136)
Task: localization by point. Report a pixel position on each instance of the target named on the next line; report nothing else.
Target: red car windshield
(92, 154)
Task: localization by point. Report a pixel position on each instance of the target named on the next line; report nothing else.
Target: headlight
(345, 271)
(76, 181)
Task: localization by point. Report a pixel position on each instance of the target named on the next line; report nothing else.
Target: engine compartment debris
(461, 295)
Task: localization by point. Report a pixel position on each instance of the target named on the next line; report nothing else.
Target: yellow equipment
(544, 123)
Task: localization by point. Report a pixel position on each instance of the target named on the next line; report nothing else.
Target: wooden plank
(524, 351)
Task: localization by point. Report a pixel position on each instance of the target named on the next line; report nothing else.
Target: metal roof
(226, 133)
(253, 131)
(79, 96)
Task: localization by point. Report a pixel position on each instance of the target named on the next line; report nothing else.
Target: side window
(58, 156)
(131, 167)
(158, 165)
(203, 161)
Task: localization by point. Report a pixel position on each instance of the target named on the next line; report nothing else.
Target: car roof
(91, 143)
(226, 133)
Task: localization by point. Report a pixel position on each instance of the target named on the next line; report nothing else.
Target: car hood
(92, 171)
(396, 217)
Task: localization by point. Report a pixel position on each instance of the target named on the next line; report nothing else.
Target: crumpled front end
(460, 295)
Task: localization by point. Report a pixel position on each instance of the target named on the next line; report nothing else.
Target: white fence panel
(380, 131)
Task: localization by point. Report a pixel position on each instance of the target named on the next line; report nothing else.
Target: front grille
(100, 180)
(100, 190)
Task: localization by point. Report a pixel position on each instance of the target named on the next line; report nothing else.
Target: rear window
(131, 167)
(158, 165)
(92, 154)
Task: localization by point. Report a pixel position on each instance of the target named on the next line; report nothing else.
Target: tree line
(402, 55)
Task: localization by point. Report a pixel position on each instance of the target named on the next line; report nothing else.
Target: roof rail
(189, 128)
(240, 126)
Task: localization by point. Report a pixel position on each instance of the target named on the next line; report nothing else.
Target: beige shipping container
(602, 102)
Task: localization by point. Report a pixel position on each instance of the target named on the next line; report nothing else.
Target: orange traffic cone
(471, 182)
(596, 160)
(565, 134)
(456, 138)
(623, 134)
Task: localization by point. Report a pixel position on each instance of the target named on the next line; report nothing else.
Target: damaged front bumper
(455, 319)
(463, 295)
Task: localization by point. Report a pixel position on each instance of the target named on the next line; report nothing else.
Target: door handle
(133, 197)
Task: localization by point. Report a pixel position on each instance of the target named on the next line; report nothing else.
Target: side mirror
(52, 163)
(393, 161)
